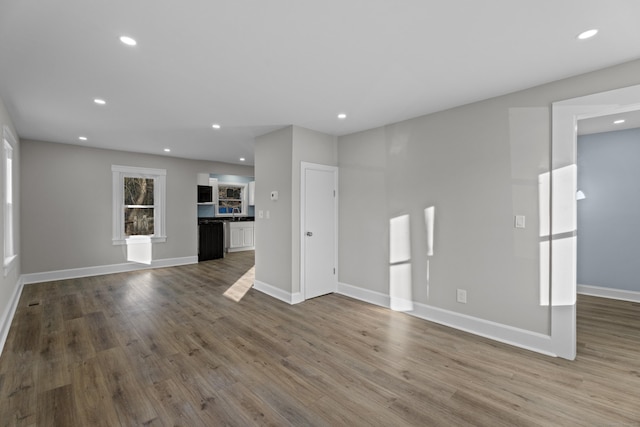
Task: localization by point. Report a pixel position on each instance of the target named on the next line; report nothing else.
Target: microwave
(205, 194)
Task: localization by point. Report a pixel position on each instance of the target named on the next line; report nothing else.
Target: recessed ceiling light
(82, 138)
(99, 101)
(587, 34)
(342, 116)
(128, 41)
(242, 159)
(617, 122)
(215, 126)
(166, 150)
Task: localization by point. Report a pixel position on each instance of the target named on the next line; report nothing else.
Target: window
(232, 199)
(139, 206)
(8, 199)
(138, 203)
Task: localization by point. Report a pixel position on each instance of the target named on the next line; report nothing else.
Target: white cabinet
(252, 193)
(241, 236)
(213, 182)
(203, 179)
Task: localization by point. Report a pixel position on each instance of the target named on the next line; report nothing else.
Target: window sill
(157, 239)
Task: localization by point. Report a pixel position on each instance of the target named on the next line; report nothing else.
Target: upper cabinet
(203, 179)
(207, 190)
(252, 193)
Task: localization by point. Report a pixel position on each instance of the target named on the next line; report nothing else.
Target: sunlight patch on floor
(238, 290)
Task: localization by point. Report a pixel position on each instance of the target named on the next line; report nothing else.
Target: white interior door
(319, 230)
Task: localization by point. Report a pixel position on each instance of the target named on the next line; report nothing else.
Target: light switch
(267, 214)
(519, 221)
(261, 214)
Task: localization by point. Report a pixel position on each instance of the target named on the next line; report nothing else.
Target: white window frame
(8, 199)
(159, 177)
(243, 200)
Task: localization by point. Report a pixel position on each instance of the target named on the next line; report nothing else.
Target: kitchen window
(232, 199)
(8, 200)
(138, 203)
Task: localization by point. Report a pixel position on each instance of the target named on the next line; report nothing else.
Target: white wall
(10, 284)
(66, 205)
(278, 156)
(479, 166)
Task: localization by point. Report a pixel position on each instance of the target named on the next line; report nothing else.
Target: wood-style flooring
(166, 347)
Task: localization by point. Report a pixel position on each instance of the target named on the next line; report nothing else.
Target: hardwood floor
(166, 347)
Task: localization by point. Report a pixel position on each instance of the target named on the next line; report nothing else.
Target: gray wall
(273, 154)
(66, 205)
(9, 283)
(608, 230)
(278, 156)
(478, 165)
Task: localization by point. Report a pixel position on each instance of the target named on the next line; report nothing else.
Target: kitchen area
(225, 215)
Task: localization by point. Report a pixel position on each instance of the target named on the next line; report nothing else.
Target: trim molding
(598, 291)
(10, 311)
(517, 337)
(277, 293)
(75, 273)
(366, 295)
(297, 298)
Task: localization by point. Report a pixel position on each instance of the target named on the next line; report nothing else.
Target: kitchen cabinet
(210, 240)
(203, 179)
(241, 236)
(252, 193)
(212, 185)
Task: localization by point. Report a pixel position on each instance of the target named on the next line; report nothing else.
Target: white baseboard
(517, 337)
(277, 293)
(75, 273)
(244, 248)
(297, 298)
(620, 294)
(9, 312)
(366, 295)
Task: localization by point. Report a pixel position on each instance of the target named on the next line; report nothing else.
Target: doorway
(318, 230)
(607, 206)
(563, 210)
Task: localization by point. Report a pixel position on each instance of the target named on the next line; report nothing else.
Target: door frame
(304, 167)
(563, 272)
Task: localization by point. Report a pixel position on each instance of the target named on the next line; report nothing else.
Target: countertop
(225, 219)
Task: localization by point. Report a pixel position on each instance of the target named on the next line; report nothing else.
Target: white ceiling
(606, 123)
(255, 65)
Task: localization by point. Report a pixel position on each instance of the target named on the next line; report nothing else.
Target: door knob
(309, 233)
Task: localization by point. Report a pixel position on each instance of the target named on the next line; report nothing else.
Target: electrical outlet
(461, 296)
